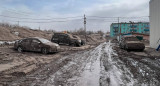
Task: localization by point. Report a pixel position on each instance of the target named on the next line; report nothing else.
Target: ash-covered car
(36, 44)
(66, 38)
(131, 43)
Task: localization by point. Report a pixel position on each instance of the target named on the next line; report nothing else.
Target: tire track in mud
(113, 71)
(144, 69)
(97, 67)
(69, 74)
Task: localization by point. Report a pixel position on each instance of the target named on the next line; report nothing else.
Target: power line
(116, 17)
(66, 19)
(43, 21)
(40, 19)
(92, 17)
(15, 11)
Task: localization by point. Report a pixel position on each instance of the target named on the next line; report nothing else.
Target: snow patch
(7, 42)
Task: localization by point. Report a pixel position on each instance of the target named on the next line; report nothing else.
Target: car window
(26, 41)
(75, 36)
(66, 36)
(61, 36)
(44, 40)
(35, 41)
(55, 35)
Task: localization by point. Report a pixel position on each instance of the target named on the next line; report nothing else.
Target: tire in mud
(20, 49)
(44, 50)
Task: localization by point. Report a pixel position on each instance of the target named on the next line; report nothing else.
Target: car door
(66, 39)
(55, 39)
(35, 45)
(26, 44)
(61, 39)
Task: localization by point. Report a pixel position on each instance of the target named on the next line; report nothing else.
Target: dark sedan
(36, 44)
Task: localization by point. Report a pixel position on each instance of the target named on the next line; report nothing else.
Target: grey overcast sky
(63, 15)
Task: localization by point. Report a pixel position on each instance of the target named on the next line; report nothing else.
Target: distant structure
(154, 23)
(131, 27)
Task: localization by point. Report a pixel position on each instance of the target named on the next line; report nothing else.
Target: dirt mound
(5, 34)
(93, 38)
(14, 33)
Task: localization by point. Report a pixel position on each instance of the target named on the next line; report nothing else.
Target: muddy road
(105, 65)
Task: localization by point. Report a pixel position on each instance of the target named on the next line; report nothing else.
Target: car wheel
(128, 50)
(44, 51)
(83, 42)
(124, 47)
(70, 43)
(57, 42)
(142, 50)
(120, 46)
(77, 44)
(20, 49)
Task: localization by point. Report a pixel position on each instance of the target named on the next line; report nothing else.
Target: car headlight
(56, 45)
(79, 41)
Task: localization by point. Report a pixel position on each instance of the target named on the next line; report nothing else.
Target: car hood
(52, 44)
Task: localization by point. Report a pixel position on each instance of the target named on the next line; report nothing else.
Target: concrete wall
(154, 22)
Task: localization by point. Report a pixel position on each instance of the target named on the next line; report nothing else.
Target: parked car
(36, 44)
(65, 38)
(131, 43)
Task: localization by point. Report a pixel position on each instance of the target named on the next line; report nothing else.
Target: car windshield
(131, 39)
(44, 40)
(75, 36)
(70, 36)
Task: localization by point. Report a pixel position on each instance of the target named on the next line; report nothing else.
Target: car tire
(78, 45)
(57, 42)
(83, 42)
(141, 50)
(44, 50)
(70, 44)
(124, 47)
(20, 49)
(120, 46)
(128, 50)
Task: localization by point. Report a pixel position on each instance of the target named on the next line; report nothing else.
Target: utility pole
(18, 23)
(85, 26)
(118, 25)
(39, 28)
(119, 28)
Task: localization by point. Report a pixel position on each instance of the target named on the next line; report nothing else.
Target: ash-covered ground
(105, 65)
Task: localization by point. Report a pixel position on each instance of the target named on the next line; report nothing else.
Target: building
(132, 27)
(154, 23)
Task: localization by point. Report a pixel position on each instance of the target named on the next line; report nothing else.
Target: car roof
(61, 33)
(33, 38)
